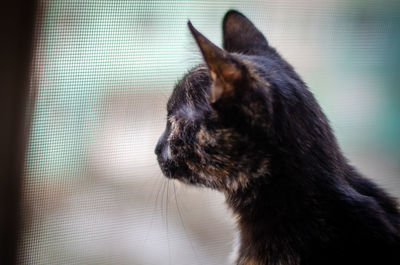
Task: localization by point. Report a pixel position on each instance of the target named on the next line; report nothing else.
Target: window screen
(101, 75)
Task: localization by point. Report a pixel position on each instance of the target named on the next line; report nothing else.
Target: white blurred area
(102, 74)
(124, 211)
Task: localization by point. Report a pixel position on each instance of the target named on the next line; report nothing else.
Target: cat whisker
(162, 198)
(160, 186)
(183, 224)
(166, 222)
(155, 177)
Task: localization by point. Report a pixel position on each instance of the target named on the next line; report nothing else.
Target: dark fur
(246, 124)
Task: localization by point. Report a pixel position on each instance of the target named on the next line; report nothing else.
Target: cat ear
(240, 35)
(225, 70)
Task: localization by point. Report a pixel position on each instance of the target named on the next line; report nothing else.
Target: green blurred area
(348, 53)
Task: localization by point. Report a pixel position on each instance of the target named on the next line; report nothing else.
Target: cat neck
(297, 174)
(290, 195)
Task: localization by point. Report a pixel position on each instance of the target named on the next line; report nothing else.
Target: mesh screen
(101, 75)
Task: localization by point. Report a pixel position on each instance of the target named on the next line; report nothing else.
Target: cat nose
(159, 146)
(157, 150)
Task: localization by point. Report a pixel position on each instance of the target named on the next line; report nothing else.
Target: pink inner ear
(217, 88)
(231, 73)
(223, 83)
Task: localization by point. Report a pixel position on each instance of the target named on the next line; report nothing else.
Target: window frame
(16, 49)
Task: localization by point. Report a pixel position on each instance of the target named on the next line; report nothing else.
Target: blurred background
(101, 75)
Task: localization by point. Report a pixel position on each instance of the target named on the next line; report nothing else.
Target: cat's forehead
(191, 89)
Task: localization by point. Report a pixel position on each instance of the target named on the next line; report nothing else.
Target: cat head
(227, 118)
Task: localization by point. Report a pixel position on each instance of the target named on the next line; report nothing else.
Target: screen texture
(101, 75)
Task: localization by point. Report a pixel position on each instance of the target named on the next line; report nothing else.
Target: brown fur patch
(205, 138)
(250, 261)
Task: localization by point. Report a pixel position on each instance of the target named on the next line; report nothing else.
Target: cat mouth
(182, 173)
(170, 169)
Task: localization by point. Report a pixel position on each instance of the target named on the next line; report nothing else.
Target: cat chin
(191, 179)
(234, 256)
(182, 174)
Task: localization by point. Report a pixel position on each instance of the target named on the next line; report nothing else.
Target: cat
(244, 123)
